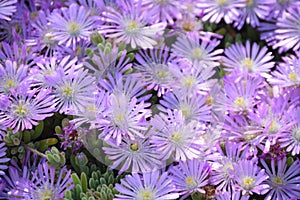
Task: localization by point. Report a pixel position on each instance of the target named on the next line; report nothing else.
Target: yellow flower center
(119, 118)
(46, 194)
(134, 147)
(277, 180)
(274, 127)
(293, 76)
(147, 195)
(188, 25)
(249, 2)
(197, 53)
(21, 109)
(10, 83)
(74, 29)
(176, 137)
(190, 181)
(161, 74)
(296, 133)
(67, 91)
(91, 108)
(240, 102)
(247, 62)
(188, 81)
(222, 2)
(209, 100)
(248, 183)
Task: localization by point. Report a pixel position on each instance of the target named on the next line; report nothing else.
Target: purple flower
(287, 74)
(241, 92)
(3, 158)
(190, 176)
(287, 32)
(124, 117)
(73, 91)
(175, 137)
(7, 8)
(250, 177)
(249, 58)
(137, 155)
(12, 76)
(162, 11)
(253, 11)
(130, 24)
(112, 62)
(70, 25)
(26, 108)
(192, 107)
(283, 180)
(150, 186)
(153, 68)
(291, 141)
(216, 10)
(198, 50)
(223, 165)
(45, 184)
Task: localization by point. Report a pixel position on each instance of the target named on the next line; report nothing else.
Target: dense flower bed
(149, 99)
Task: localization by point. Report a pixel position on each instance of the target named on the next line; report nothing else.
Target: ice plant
(150, 186)
(137, 155)
(175, 137)
(287, 31)
(7, 8)
(70, 25)
(130, 25)
(250, 177)
(197, 50)
(46, 185)
(26, 108)
(283, 180)
(249, 58)
(3, 159)
(190, 176)
(216, 10)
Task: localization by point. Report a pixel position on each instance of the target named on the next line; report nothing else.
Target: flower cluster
(183, 99)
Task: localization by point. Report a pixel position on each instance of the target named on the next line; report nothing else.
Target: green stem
(34, 150)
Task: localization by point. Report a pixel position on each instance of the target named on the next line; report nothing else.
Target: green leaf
(75, 179)
(38, 130)
(83, 182)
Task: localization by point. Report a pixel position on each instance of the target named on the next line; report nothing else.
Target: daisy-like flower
(272, 120)
(46, 185)
(283, 180)
(191, 80)
(129, 85)
(291, 141)
(241, 92)
(26, 108)
(287, 74)
(137, 155)
(7, 9)
(153, 68)
(197, 50)
(73, 91)
(216, 10)
(163, 11)
(253, 11)
(124, 117)
(223, 165)
(12, 76)
(174, 137)
(111, 62)
(129, 24)
(3, 159)
(150, 186)
(288, 32)
(250, 177)
(190, 176)
(192, 107)
(48, 69)
(249, 58)
(230, 195)
(70, 25)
